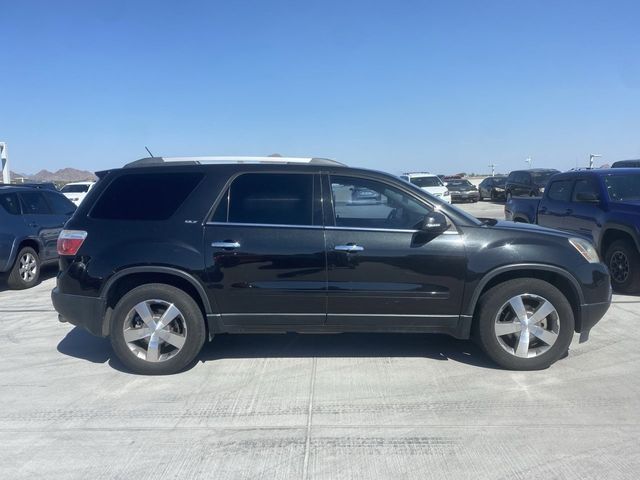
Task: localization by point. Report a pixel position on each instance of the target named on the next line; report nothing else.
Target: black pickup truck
(602, 205)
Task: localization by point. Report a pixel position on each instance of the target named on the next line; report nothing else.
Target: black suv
(165, 253)
(528, 183)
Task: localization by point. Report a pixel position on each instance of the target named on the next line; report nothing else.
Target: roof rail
(158, 161)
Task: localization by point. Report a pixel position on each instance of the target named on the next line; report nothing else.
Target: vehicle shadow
(47, 272)
(81, 344)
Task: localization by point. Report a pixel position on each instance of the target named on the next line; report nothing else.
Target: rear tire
(26, 270)
(140, 340)
(623, 260)
(512, 335)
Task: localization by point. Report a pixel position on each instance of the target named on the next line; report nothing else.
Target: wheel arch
(125, 280)
(556, 276)
(613, 232)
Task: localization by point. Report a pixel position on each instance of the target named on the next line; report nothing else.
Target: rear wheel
(623, 261)
(524, 324)
(26, 270)
(157, 329)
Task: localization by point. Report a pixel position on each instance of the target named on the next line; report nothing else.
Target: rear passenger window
(34, 203)
(585, 187)
(145, 196)
(560, 191)
(9, 203)
(269, 198)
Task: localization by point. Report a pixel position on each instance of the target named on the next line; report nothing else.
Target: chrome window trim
(320, 227)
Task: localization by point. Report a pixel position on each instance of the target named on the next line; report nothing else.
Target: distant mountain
(63, 175)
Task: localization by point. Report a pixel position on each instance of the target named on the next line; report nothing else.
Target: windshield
(75, 188)
(623, 188)
(459, 183)
(542, 177)
(426, 181)
(499, 181)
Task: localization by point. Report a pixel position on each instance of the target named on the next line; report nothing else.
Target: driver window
(362, 203)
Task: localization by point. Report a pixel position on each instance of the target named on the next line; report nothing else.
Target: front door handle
(568, 211)
(229, 245)
(350, 248)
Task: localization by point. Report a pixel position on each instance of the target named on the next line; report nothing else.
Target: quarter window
(560, 191)
(362, 203)
(269, 198)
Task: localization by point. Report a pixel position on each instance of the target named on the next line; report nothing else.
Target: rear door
(555, 206)
(586, 217)
(41, 221)
(382, 271)
(265, 251)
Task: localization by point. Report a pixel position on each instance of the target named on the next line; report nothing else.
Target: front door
(382, 270)
(265, 251)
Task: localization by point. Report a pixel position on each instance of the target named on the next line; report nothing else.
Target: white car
(429, 183)
(76, 191)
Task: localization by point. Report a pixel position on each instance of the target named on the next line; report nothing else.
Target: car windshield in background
(459, 183)
(426, 181)
(542, 177)
(623, 188)
(75, 188)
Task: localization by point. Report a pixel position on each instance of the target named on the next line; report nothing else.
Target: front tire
(157, 329)
(623, 260)
(524, 324)
(26, 270)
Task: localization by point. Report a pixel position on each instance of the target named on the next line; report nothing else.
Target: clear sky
(442, 86)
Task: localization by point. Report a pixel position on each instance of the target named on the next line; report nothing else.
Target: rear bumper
(465, 195)
(86, 312)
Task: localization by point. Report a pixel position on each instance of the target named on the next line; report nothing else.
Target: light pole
(528, 161)
(591, 157)
(4, 163)
(493, 169)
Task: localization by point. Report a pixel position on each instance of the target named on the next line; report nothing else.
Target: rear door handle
(229, 245)
(348, 248)
(568, 211)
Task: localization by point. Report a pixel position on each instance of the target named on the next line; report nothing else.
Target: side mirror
(587, 197)
(434, 223)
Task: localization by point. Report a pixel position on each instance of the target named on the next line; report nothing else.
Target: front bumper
(472, 195)
(82, 311)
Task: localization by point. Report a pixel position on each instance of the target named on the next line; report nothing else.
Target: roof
(160, 161)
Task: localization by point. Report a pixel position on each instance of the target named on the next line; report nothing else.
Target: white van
(428, 182)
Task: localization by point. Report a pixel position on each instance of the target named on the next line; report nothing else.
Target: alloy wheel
(28, 268)
(619, 266)
(527, 325)
(155, 330)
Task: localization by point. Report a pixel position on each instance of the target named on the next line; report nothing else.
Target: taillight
(70, 241)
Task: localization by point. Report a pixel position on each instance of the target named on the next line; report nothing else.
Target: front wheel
(26, 270)
(157, 329)
(524, 324)
(623, 261)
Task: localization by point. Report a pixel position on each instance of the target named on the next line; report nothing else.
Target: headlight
(585, 249)
(446, 193)
(498, 189)
(541, 189)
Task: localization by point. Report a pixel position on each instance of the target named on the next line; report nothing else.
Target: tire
(623, 260)
(25, 272)
(495, 315)
(186, 329)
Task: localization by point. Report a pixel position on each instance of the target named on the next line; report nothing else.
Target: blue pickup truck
(602, 205)
(30, 221)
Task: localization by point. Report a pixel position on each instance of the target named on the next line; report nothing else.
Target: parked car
(429, 183)
(463, 190)
(528, 183)
(492, 188)
(43, 185)
(76, 191)
(602, 205)
(166, 253)
(30, 221)
(626, 164)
